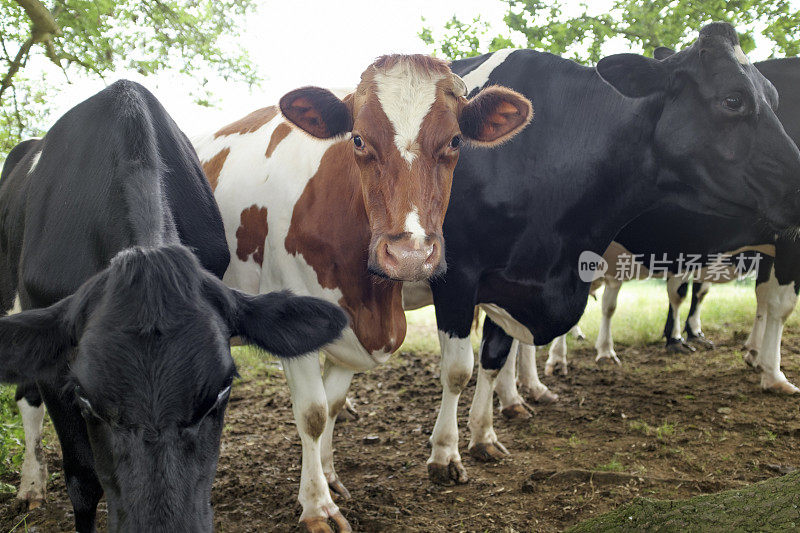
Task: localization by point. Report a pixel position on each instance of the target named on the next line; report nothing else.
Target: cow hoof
(545, 397)
(700, 341)
(319, 524)
(488, 452)
(338, 489)
(751, 359)
(782, 387)
(580, 336)
(348, 413)
(679, 346)
(607, 357)
(551, 368)
(516, 412)
(448, 474)
(35, 504)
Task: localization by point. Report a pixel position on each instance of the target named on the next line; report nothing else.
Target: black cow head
(151, 372)
(717, 131)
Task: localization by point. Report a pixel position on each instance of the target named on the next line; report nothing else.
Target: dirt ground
(662, 425)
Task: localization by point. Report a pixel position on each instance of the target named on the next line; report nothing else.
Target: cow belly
(350, 353)
(503, 318)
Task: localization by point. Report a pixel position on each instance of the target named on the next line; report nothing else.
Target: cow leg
(605, 342)
(512, 405)
(557, 357)
(83, 486)
(752, 345)
(337, 381)
(781, 300)
(310, 408)
(577, 333)
(529, 382)
(444, 464)
(694, 331)
(33, 478)
(676, 292)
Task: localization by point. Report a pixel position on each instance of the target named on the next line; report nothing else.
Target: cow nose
(408, 259)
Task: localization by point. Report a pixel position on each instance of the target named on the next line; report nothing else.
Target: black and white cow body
(698, 125)
(124, 330)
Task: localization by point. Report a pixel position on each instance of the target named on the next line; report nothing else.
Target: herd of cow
(129, 256)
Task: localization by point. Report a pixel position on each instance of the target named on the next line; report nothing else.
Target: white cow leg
(781, 301)
(752, 345)
(672, 329)
(483, 444)
(310, 409)
(557, 357)
(512, 405)
(33, 482)
(337, 381)
(605, 342)
(577, 333)
(444, 464)
(694, 328)
(529, 382)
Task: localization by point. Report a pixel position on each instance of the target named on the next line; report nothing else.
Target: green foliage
(542, 25)
(101, 36)
(462, 39)
(12, 437)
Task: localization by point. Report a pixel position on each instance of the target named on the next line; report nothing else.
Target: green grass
(12, 437)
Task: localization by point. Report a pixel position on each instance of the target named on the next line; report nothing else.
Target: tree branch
(13, 68)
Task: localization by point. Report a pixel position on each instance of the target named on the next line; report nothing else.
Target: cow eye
(455, 142)
(358, 142)
(733, 102)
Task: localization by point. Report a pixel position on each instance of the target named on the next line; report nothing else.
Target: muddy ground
(662, 425)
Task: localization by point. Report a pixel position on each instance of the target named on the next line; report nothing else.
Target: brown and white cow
(341, 206)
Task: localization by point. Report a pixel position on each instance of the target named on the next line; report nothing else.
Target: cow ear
(34, 343)
(662, 52)
(279, 322)
(494, 116)
(633, 75)
(318, 112)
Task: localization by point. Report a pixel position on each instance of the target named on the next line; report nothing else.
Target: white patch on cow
(406, 95)
(17, 307)
(503, 318)
(481, 424)
(34, 161)
(33, 477)
(605, 341)
(741, 57)
(478, 77)
(781, 301)
(413, 225)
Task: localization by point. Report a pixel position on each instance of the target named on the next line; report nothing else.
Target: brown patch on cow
(213, 167)
(331, 230)
(252, 233)
(280, 133)
(421, 62)
(314, 420)
(250, 123)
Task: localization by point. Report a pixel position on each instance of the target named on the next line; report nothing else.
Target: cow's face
(407, 121)
(717, 131)
(152, 373)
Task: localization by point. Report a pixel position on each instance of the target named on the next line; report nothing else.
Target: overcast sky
(301, 42)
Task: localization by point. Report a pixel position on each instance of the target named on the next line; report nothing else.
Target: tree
(542, 25)
(96, 37)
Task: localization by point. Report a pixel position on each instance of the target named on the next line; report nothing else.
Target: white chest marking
(479, 76)
(406, 96)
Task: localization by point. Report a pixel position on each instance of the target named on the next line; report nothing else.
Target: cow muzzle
(404, 258)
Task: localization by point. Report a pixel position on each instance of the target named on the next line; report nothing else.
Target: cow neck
(331, 229)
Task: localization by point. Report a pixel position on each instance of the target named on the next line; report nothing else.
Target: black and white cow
(675, 234)
(606, 144)
(122, 328)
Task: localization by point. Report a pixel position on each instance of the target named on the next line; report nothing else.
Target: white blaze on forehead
(413, 225)
(478, 77)
(406, 94)
(740, 55)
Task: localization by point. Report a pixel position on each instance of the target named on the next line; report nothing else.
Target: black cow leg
(694, 331)
(33, 479)
(80, 478)
(483, 444)
(676, 291)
